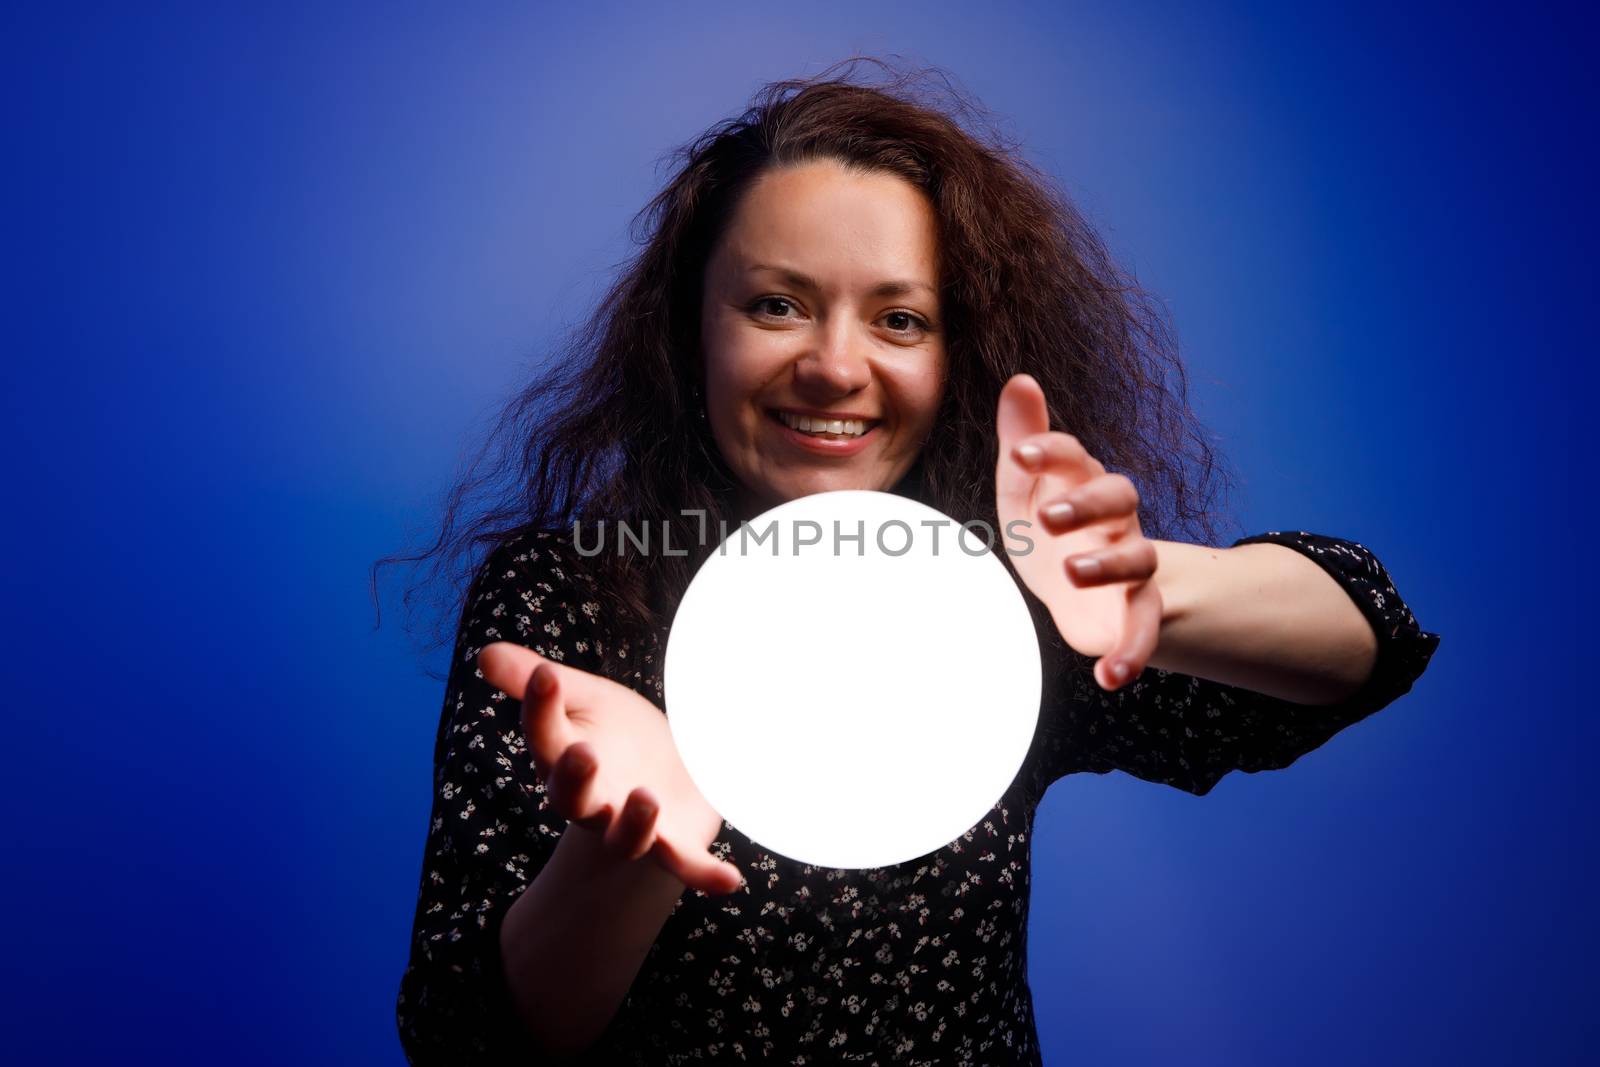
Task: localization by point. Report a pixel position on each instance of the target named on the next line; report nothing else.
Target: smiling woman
(850, 286)
(823, 364)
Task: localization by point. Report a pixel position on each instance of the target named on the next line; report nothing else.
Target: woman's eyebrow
(805, 281)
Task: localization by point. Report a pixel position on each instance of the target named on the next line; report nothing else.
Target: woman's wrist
(584, 852)
(1261, 617)
(573, 942)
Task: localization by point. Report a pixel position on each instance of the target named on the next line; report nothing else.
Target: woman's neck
(747, 506)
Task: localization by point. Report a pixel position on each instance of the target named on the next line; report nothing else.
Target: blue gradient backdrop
(266, 276)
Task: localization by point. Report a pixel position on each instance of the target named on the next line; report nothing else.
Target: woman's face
(823, 343)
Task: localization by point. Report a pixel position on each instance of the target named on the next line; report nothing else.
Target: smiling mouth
(825, 429)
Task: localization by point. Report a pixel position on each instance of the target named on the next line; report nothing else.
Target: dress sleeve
(491, 829)
(1187, 732)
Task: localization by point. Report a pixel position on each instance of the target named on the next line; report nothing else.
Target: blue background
(266, 275)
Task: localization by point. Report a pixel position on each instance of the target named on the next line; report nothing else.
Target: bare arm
(523, 937)
(1256, 616)
(1181, 728)
(572, 944)
(574, 941)
(1261, 617)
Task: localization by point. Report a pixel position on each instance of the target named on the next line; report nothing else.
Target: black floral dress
(921, 963)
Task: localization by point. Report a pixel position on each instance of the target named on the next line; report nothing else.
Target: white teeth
(806, 424)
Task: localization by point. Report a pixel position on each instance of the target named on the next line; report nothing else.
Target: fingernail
(1060, 514)
(1029, 455)
(1088, 567)
(1119, 671)
(542, 681)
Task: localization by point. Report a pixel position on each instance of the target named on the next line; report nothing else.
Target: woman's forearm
(1261, 617)
(574, 941)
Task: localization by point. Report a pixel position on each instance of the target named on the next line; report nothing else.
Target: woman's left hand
(1112, 610)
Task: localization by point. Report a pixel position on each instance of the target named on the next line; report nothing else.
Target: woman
(843, 288)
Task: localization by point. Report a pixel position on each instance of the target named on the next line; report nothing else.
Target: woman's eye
(773, 306)
(904, 322)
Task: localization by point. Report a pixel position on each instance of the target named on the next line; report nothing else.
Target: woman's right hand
(610, 766)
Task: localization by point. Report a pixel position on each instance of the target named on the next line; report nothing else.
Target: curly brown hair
(609, 429)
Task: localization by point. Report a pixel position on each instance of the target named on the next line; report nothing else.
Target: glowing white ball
(853, 702)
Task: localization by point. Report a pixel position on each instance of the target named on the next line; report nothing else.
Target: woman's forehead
(831, 226)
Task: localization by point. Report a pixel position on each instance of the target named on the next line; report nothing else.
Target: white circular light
(852, 680)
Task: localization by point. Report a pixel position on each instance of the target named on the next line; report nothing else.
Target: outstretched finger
(1102, 497)
(1141, 632)
(631, 833)
(537, 683)
(1056, 453)
(697, 869)
(572, 787)
(1134, 561)
(1022, 413)
(510, 666)
(544, 717)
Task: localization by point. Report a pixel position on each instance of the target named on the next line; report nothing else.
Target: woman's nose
(835, 365)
